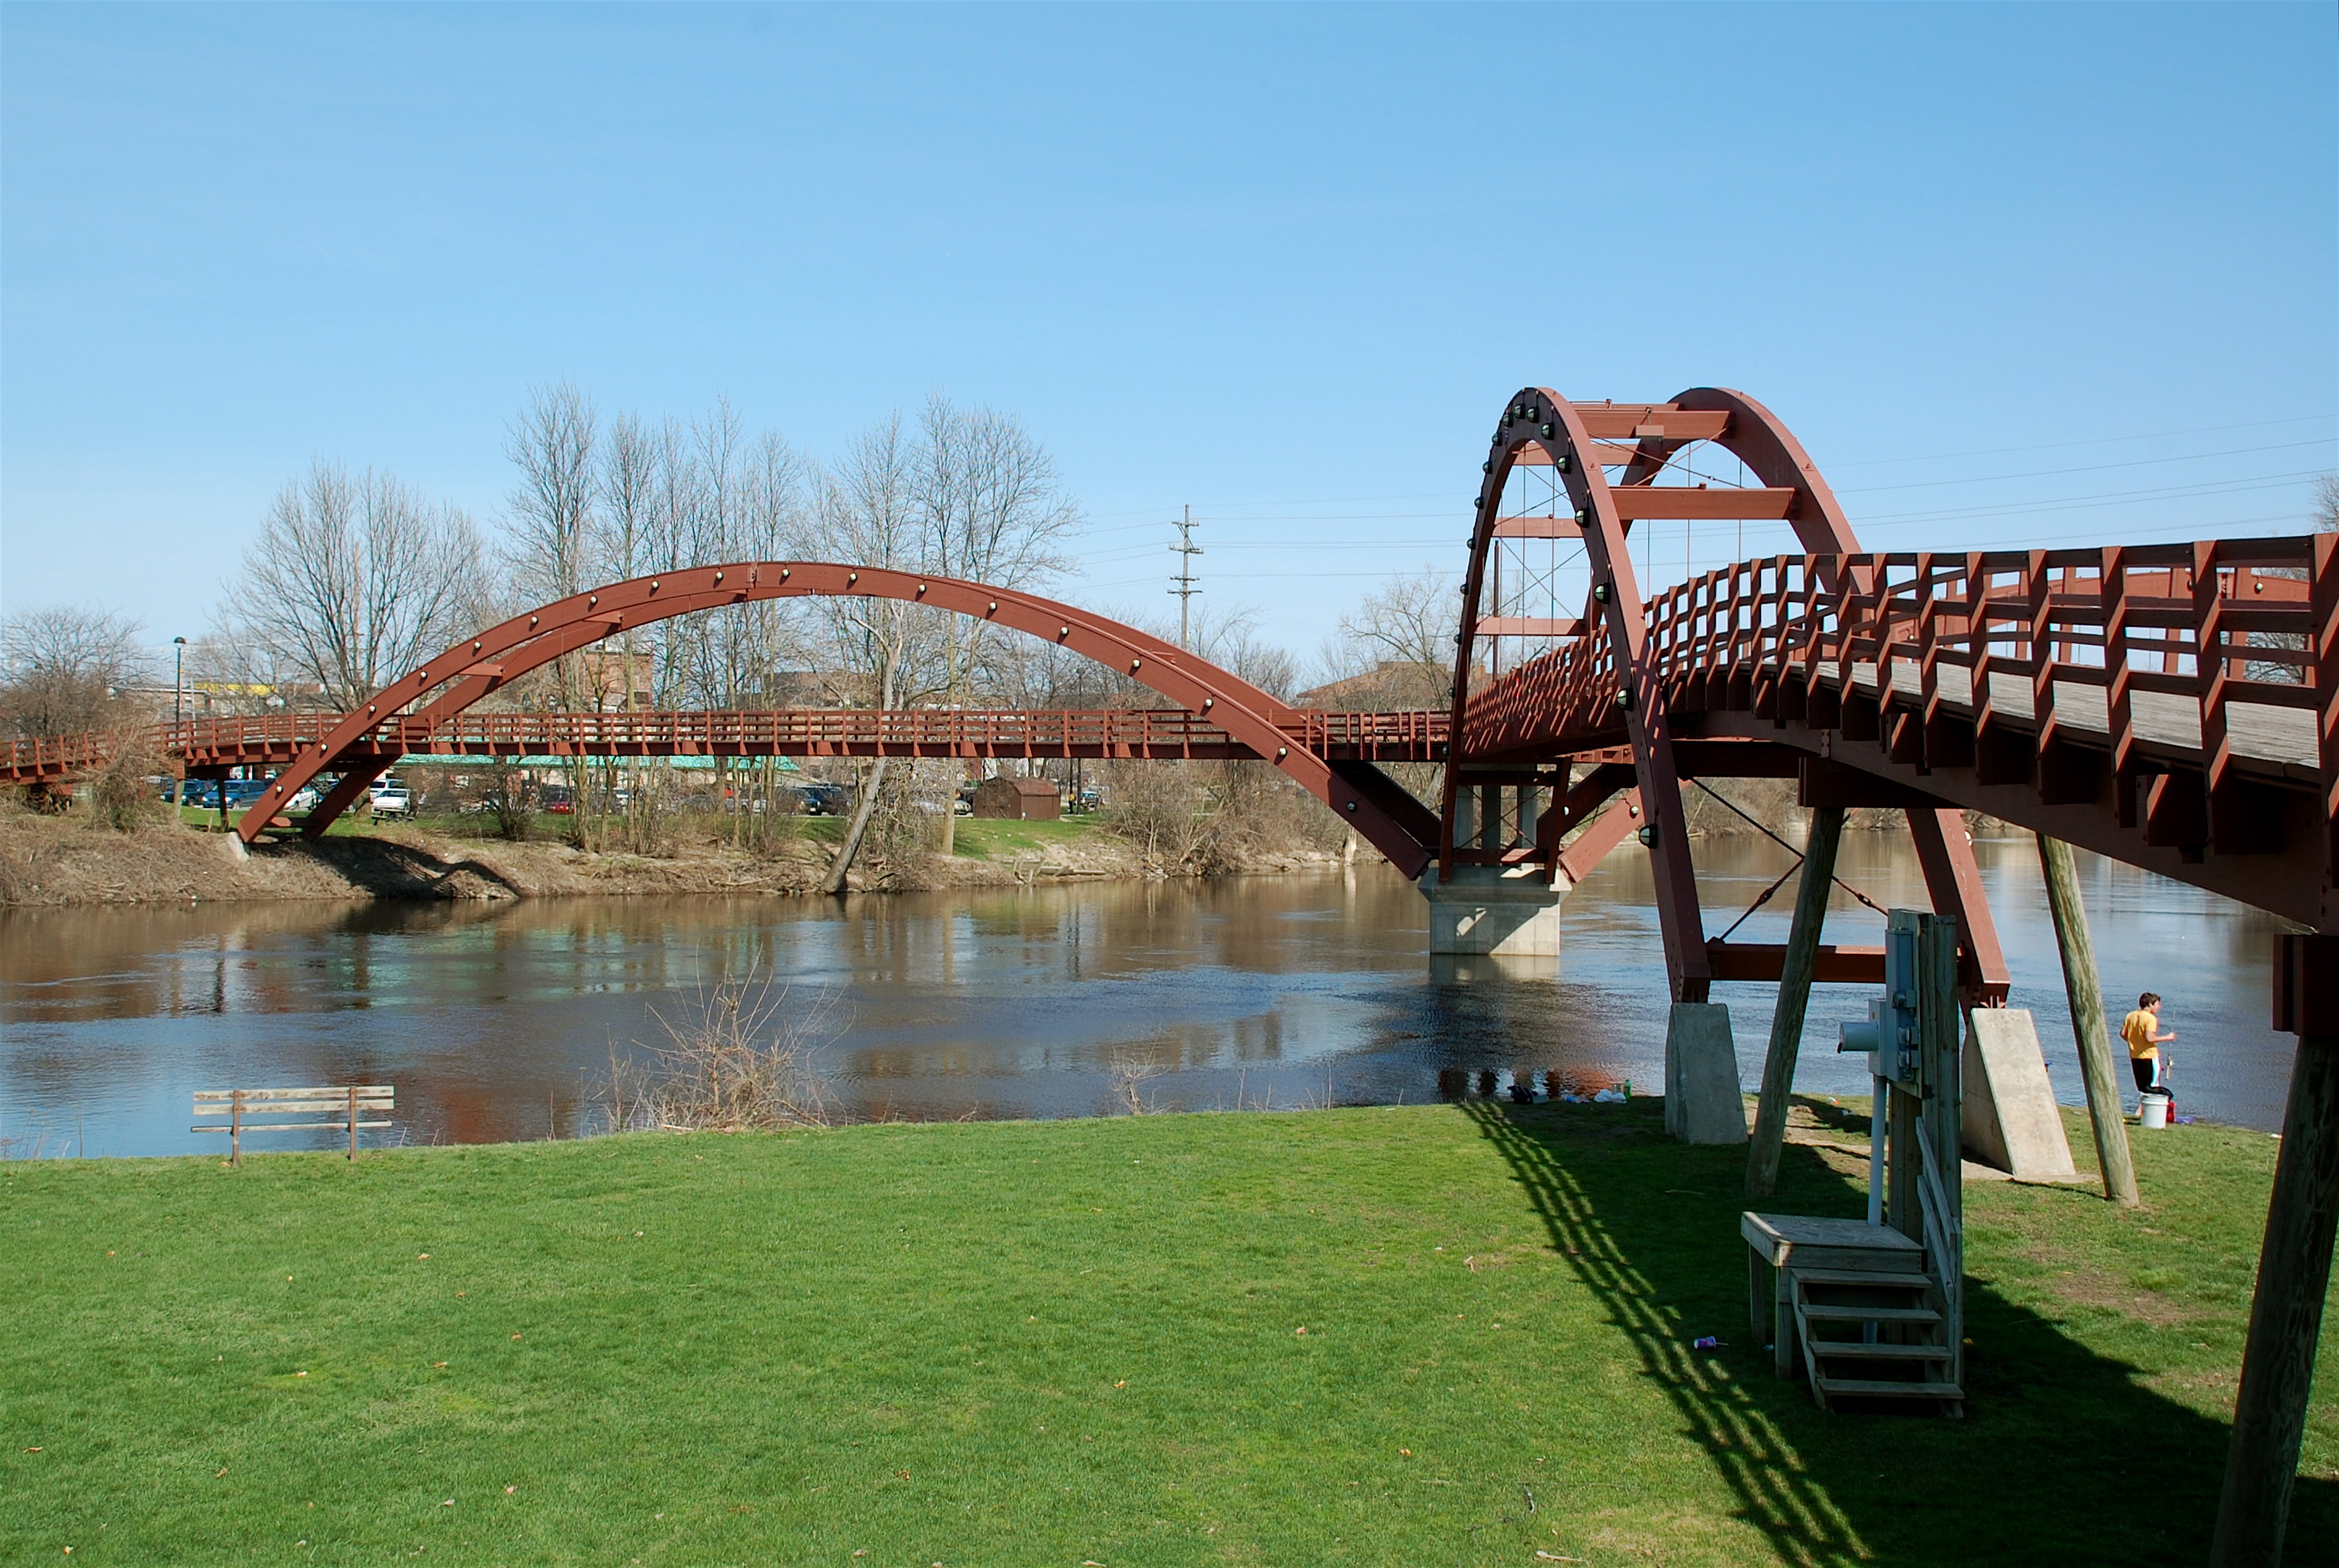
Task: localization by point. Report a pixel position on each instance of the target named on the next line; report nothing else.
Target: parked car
(820, 799)
(391, 797)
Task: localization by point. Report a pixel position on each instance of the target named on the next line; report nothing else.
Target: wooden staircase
(1874, 1335)
(1857, 1307)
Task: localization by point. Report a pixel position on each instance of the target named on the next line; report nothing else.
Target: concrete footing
(1508, 911)
(2010, 1120)
(1704, 1103)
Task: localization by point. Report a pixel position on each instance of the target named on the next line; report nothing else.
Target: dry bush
(120, 797)
(1128, 1075)
(1257, 809)
(1160, 807)
(1208, 818)
(738, 1055)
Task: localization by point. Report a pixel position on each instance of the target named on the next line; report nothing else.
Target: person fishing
(2141, 1030)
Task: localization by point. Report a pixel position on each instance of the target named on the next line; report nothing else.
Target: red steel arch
(1580, 442)
(471, 669)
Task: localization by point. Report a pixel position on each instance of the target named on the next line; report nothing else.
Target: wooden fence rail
(351, 1101)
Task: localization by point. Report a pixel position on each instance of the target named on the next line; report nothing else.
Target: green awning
(439, 760)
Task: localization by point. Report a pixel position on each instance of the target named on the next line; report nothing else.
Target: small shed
(1025, 800)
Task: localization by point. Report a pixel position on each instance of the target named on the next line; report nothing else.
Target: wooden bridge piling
(2293, 1268)
(2089, 1029)
(1794, 999)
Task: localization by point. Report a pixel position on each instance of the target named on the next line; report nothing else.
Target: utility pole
(1186, 549)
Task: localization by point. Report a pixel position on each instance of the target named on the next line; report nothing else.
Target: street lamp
(178, 706)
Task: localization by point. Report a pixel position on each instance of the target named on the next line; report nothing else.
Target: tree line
(354, 576)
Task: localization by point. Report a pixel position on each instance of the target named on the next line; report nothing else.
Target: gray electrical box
(1889, 1035)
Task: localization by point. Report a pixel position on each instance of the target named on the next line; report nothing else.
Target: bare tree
(353, 582)
(2327, 504)
(67, 668)
(867, 514)
(990, 510)
(1396, 649)
(551, 534)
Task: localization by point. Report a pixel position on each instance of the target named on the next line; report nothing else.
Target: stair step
(1860, 1349)
(1878, 1280)
(1890, 1389)
(1827, 1312)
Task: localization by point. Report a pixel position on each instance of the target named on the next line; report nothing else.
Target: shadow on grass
(2064, 1456)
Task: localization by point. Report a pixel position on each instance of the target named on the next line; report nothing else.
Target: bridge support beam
(1509, 912)
(2293, 1266)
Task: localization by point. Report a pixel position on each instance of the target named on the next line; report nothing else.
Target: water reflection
(493, 1019)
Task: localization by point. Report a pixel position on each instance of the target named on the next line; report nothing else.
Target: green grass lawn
(1433, 1335)
(993, 838)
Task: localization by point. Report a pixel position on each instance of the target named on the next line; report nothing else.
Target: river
(497, 1022)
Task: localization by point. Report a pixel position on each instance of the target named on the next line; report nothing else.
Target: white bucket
(2155, 1111)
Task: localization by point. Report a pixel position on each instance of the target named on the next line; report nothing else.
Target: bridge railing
(1118, 732)
(2221, 622)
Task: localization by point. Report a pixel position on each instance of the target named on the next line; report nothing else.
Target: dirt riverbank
(73, 860)
(53, 860)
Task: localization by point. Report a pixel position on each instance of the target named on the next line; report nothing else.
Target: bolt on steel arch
(1386, 817)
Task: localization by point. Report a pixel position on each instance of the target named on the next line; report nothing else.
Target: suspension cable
(1760, 898)
(1761, 828)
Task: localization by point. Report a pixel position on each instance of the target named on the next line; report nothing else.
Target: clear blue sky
(1996, 265)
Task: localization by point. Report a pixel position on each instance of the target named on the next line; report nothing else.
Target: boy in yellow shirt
(2141, 1030)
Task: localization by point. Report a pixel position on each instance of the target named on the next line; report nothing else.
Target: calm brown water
(494, 1021)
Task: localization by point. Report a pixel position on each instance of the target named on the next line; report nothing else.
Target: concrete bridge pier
(1508, 911)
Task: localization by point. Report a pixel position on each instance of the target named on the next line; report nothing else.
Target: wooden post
(2293, 1266)
(2286, 1317)
(2089, 1029)
(353, 1124)
(235, 1129)
(1942, 1113)
(1794, 999)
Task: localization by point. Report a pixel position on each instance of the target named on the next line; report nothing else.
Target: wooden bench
(341, 1107)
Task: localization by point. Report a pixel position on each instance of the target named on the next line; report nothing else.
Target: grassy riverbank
(1082, 1342)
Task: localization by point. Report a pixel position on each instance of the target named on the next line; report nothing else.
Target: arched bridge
(1233, 715)
(2174, 706)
